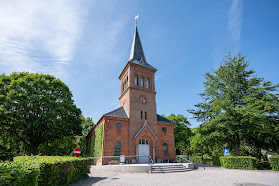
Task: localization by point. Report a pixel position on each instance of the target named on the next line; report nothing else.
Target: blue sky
(86, 44)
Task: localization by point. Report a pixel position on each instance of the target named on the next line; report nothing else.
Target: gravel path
(201, 176)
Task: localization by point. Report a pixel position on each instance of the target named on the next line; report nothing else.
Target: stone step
(169, 171)
(169, 168)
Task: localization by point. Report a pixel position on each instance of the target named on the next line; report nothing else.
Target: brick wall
(166, 137)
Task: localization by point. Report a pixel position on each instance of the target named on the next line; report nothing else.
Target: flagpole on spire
(136, 18)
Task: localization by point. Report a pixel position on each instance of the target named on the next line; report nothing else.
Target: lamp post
(78, 139)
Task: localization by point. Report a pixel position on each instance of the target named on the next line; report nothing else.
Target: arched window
(145, 116)
(165, 149)
(136, 80)
(117, 148)
(147, 83)
(143, 141)
(141, 82)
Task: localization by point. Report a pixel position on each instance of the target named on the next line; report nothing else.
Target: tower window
(141, 114)
(165, 149)
(145, 115)
(117, 148)
(141, 82)
(147, 83)
(136, 80)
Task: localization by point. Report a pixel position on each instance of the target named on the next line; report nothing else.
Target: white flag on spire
(137, 16)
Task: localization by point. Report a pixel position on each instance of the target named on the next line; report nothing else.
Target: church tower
(138, 96)
(134, 129)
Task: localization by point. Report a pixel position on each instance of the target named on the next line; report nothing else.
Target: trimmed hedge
(274, 162)
(44, 170)
(239, 162)
(17, 173)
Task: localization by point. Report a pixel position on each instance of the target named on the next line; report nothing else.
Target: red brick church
(135, 128)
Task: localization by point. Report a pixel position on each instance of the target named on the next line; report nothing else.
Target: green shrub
(197, 159)
(263, 165)
(216, 160)
(238, 162)
(274, 162)
(44, 170)
(17, 173)
(6, 154)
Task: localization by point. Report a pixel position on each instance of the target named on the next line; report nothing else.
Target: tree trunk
(236, 142)
(34, 148)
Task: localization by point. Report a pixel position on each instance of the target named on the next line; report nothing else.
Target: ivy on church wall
(98, 142)
(90, 150)
(94, 146)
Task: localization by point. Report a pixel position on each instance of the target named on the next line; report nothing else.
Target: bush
(274, 162)
(6, 154)
(238, 162)
(44, 170)
(17, 173)
(216, 160)
(197, 159)
(263, 165)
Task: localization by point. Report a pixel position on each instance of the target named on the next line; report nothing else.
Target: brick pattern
(166, 137)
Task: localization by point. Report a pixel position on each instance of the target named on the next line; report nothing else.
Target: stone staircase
(168, 167)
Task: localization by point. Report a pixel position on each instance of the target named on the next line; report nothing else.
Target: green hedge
(17, 173)
(239, 162)
(44, 170)
(274, 162)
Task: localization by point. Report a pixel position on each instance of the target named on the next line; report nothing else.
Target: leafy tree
(86, 124)
(238, 107)
(58, 147)
(182, 132)
(37, 108)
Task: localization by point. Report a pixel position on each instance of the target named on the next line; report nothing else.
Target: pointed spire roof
(137, 54)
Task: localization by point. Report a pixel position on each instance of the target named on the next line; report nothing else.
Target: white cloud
(234, 23)
(38, 36)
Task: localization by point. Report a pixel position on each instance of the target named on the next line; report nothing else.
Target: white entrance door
(143, 151)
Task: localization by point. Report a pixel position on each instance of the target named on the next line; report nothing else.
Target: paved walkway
(204, 175)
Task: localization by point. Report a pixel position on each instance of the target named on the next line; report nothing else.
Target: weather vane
(136, 18)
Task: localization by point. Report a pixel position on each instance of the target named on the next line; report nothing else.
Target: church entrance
(144, 150)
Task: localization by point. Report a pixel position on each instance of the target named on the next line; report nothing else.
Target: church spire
(137, 54)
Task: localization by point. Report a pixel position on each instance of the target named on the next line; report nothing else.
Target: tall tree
(37, 108)
(86, 124)
(238, 106)
(182, 132)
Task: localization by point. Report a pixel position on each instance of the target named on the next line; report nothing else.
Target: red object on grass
(77, 152)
